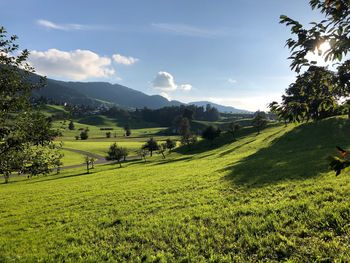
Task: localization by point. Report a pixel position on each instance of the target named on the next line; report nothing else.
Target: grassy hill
(267, 197)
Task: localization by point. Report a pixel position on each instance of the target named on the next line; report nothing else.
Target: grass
(267, 197)
(72, 158)
(101, 147)
(95, 132)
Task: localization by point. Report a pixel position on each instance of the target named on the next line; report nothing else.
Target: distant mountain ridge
(220, 108)
(97, 93)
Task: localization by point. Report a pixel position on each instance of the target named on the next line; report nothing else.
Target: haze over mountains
(96, 93)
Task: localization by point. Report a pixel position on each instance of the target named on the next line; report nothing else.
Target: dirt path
(100, 160)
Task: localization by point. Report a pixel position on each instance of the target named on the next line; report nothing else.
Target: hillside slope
(267, 197)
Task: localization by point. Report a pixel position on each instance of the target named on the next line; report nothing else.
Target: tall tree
(151, 145)
(335, 31)
(259, 121)
(233, 128)
(116, 153)
(26, 136)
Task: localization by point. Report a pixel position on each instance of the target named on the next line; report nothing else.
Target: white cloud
(165, 83)
(188, 30)
(232, 81)
(66, 27)
(165, 95)
(124, 60)
(77, 64)
(185, 87)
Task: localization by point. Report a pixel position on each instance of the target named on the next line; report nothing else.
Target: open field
(72, 158)
(266, 197)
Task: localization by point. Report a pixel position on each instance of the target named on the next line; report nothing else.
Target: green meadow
(267, 197)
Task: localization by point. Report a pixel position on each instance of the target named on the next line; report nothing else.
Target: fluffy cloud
(77, 64)
(124, 60)
(185, 87)
(165, 83)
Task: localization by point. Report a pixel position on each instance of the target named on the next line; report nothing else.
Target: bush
(106, 129)
(108, 134)
(84, 135)
(210, 133)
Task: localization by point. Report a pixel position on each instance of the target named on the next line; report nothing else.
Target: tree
(116, 153)
(210, 133)
(151, 145)
(259, 121)
(313, 96)
(233, 128)
(84, 134)
(89, 161)
(125, 152)
(25, 146)
(127, 130)
(170, 144)
(71, 125)
(143, 153)
(162, 149)
(333, 30)
(108, 134)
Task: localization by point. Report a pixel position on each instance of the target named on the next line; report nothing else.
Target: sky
(229, 52)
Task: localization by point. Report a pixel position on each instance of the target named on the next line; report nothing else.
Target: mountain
(221, 108)
(92, 93)
(97, 93)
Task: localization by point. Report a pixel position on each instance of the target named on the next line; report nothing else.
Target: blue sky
(229, 52)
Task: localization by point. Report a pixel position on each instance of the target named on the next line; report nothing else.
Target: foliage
(26, 136)
(313, 96)
(71, 125)
(84, 134)
(210, 133)
(108, 134)
(116, 153)
(89, 161)
(233, 128)
(151, 145)
(170, 144)
(142, 153)
(166, 115)
(329, 85)
(162, 149)
(259, 121)
(127, 130)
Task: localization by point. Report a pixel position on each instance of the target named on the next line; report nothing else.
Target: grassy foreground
(266, 197)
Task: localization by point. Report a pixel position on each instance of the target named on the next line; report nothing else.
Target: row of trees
(166, 115)
(318, 92)
(117, 153)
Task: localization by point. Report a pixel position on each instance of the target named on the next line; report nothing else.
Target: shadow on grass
(224, 139)
(167, 161)
(299, 154)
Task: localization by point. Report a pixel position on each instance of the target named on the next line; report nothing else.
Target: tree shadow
(167, 161)
(224, 139)
(298, 154)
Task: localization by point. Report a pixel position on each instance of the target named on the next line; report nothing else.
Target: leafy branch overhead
(334, 29)
(318, 92)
